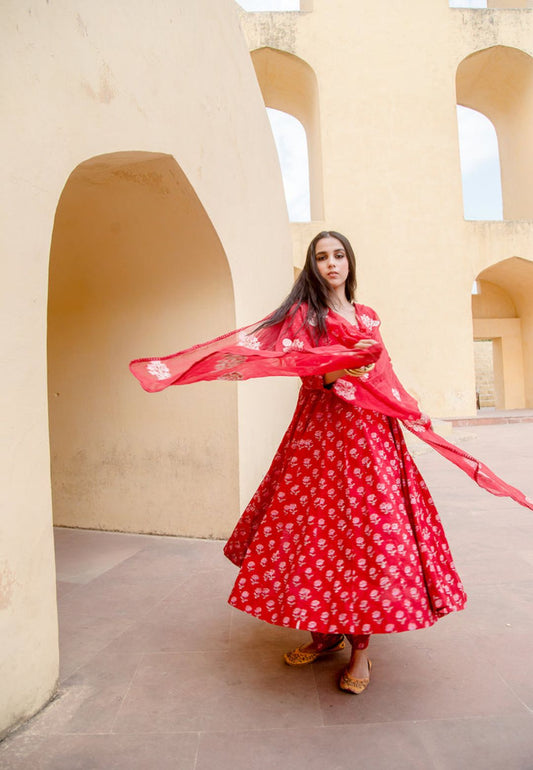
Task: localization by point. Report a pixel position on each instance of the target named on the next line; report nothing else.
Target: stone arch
(502, 311)
(136, 268)
(289, 84)
(498, 82)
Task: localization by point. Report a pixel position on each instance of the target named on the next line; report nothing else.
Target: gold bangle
(360, 370)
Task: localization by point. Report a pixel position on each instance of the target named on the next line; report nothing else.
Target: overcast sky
(479, 161)
(270, 5)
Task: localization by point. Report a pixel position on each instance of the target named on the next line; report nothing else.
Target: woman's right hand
(357, 371)
(364, 344)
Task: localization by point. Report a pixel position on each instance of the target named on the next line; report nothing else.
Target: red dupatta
(290, 349)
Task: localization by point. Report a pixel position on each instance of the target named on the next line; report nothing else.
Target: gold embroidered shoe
(356, 686)
(301, 657)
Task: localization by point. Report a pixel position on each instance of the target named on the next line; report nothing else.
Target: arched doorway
(498, 82)
(137, 269)
(503, 317)
(289, 84)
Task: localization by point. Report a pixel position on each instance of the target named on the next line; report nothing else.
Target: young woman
(342, 537)
(331, 540)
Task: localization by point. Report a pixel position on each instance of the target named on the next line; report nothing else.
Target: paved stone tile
(415, 678)
(362, 747)
(177, 559)
(108, 596)
(491, 743)
(248, 633)
(83, 636)
(510, 655)
(490, 609)
(492, 564)
(89, 700)
(63, 588)
(217, 691)
(100, 752)
(179, 625)
(193, 617)
(83, 559)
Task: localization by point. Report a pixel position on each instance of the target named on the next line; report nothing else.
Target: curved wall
(174, 79)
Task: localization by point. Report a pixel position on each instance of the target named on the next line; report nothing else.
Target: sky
(270, 5)
(291, 143)
(478, 146)
(480, 166)
(467, 3)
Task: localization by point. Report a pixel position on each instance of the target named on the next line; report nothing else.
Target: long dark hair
(312, 289)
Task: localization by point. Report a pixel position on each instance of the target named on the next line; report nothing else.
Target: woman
(342, 537)
(330, 537)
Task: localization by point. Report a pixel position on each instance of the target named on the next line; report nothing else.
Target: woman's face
(332, 262)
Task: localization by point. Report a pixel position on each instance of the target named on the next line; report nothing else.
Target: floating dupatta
(289, 348)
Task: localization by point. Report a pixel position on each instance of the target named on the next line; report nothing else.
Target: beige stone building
(143, 211)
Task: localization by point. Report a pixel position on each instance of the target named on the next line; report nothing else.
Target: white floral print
(419, 425)
(248, 341)
(369, 322)
(345, 389)
(158, 369)
(288, 344)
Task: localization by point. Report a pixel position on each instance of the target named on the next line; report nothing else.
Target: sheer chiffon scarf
(292, 348)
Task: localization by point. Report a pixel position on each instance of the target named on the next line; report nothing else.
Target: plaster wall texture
(388, 83)
(492, 302)
(81, 80)
(512, 4)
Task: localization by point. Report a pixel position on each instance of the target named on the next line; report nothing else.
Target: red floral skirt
(342, 535)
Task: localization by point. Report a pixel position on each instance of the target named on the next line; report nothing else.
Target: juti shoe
(351, 684)
(301, 657)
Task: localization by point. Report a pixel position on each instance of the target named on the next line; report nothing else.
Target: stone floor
(158, 672)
